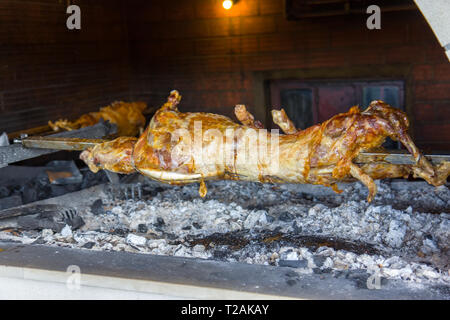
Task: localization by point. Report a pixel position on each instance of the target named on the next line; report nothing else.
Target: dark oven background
(140, 50)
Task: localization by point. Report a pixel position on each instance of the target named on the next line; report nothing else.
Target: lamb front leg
(439, 176)
(246, 118)
(442, 172)
(359, 174)
(397, 129)
(172, 101)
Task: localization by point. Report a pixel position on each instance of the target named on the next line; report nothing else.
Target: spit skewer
(71, 144)
(46, 130)
(18, 152)
(77, 144)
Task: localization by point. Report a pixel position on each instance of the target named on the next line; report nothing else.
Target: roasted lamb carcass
(180, 148)
(128, 116)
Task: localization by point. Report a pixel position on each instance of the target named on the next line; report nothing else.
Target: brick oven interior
(260, 53)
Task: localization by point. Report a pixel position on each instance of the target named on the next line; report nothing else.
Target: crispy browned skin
(113, 155)
(322, 154)
(126, 115)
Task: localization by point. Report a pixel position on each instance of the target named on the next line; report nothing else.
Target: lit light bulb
(227, 4)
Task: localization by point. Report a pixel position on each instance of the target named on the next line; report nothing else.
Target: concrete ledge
(162, 277)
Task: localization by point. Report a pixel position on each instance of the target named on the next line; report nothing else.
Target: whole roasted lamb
(179, 148)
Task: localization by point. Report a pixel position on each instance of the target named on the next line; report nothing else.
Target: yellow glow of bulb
(227, 4)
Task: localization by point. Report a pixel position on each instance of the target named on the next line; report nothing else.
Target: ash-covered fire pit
(400, 239)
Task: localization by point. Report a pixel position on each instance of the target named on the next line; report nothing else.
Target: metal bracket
(17, 152)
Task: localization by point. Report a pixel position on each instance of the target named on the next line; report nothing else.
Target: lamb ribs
(170, 151)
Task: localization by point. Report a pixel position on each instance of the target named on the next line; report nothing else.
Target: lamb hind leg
(423, 167)
(281, 119)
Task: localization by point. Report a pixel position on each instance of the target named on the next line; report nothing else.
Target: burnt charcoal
(185, 195)
(97, 207)
(10, 202)
(57, 190)
(220, 254)
(196, 225)
(296, 227)
(341, 273)
(39, 241)
(319, 260)
(270, 218)
(256, 207)
(72, 187)
(359, 277)
(293, 263)
(55, 221)
(17, 190)
(119, 232)
(88, 179)
(159, 222)
(42, 180)
(91, 179)
(159, 189)
(360, 280)
(291, 282)
(142, 228)
(39, 223)
(152, 191)
(286, 216)
(442, 289)
(88, 245)
(277, 229)
(76, 222)
(31, 190)
(171, 236)
(291, 274)
(4, 192)
(44, 192)
(317, 270)
(30, 193)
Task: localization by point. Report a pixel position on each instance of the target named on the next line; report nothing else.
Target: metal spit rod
(71, 144)
(18, 152)
(74, 144)
(397, 157)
